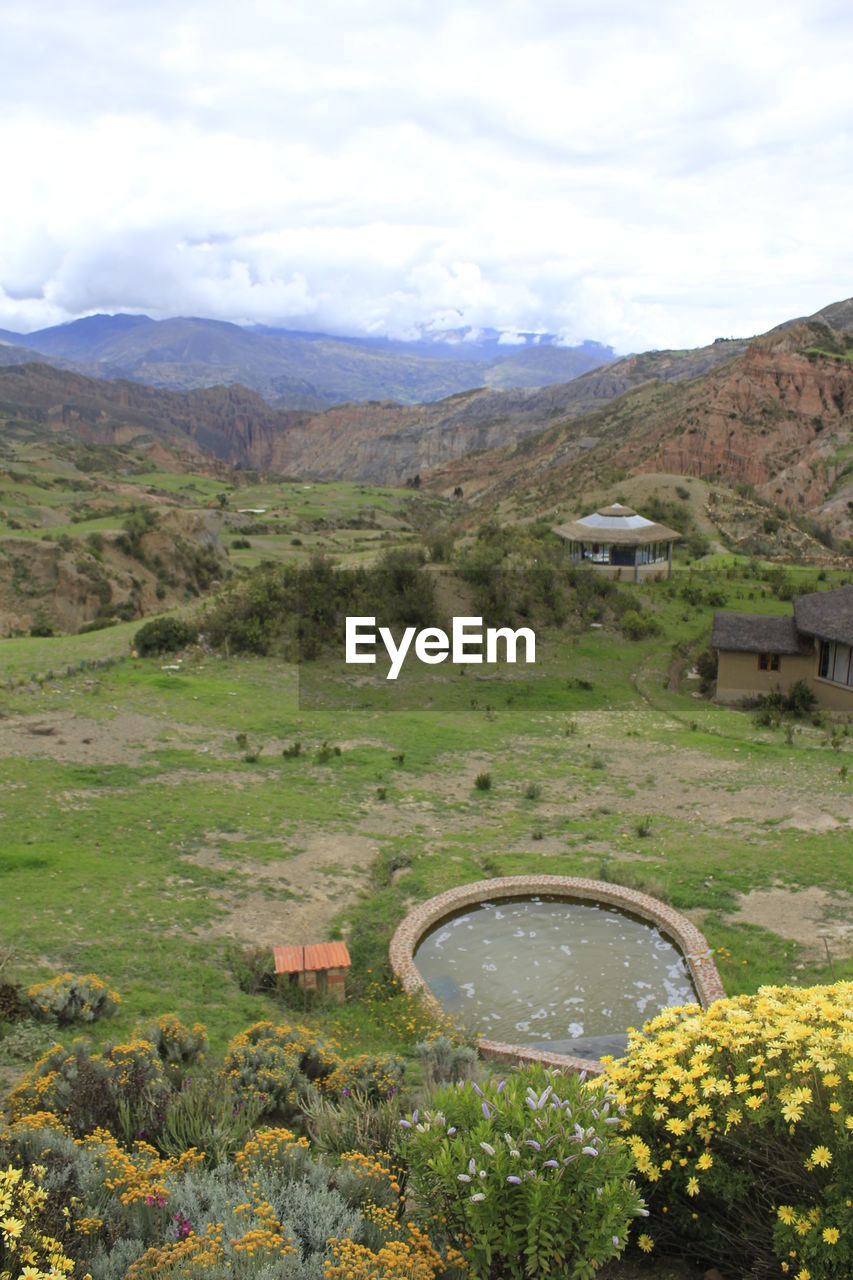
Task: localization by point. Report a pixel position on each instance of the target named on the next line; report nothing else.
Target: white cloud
(644, 177)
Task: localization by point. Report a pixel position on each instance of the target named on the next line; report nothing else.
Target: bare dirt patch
(298, 897)
(73, 739)
(807, 916)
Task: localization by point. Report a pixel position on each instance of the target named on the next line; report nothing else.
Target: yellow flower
(831, 1234)
(705, 1160)
(693, 1186)
(646, 1243)
(822, 1156)
(785, 1214)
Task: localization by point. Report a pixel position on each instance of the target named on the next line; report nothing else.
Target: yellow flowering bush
(177, 1045)
(26, 1249)
(369, 1179)
(373, 1075)
(67, 998)
(406, 1254)
(740, 1121)
(276, 1065)
(277, 1149)
(123, 1089)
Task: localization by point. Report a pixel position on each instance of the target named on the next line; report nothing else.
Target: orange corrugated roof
(318, 955)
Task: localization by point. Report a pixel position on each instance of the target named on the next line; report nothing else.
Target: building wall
(658, 571)
(739, 678)
(835, 697)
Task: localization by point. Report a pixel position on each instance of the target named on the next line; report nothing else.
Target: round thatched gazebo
(616, 539)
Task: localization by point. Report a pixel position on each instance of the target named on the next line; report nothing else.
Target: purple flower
(514, 1180)
(451, 1131)
(589, 1151)
(346, 1093)
(405, 1124)
(531, 1142)
(486, 1112)
(550, 1164)
(501, 1086)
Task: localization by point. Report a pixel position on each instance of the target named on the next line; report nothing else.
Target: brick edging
(688, 938)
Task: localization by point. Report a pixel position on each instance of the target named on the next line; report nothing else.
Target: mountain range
(774, 412)
(299, 370)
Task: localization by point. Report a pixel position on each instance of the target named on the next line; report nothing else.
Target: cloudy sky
(642, 174)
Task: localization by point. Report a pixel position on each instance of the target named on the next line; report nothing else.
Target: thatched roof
(756, 633)
(616, 525)
(826, 614)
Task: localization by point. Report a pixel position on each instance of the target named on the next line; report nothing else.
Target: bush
(374, 1075)
(164, 635)
(352, 1123)
(208, 1116)
(442, 1061)
(635, 626)
(177, 1045)
(123, 1090)
(67, 998)
(738, 1117)
(483, 782)
(31, 1243)
(276, 1066)
(526, 1172)
(706, 669)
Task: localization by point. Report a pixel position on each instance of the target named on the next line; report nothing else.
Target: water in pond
(568, 976)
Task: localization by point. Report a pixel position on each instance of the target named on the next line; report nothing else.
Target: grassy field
(152, 825)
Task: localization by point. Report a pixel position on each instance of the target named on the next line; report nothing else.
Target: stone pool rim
(690, 941)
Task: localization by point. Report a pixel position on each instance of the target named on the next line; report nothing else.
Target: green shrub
(527, 1172)
(123, 1089)
(68, 998)
(277, 1065)
(636, 627)
(532, 791)
(210, 1117)
(442, 1061)
(353, 1123)
(164, 635)
(177, 1045)
(375, 1075)
(254, 969)
(483, 782)
(739, 1119)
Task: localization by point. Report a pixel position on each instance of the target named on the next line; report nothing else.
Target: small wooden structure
(320, 966)
(616, 539)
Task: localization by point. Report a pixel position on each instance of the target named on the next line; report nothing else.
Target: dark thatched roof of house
(756, 633)
(826, 614)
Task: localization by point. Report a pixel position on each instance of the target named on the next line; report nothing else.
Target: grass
(654, 788)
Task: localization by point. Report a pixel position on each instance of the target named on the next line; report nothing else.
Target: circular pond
(549, 973)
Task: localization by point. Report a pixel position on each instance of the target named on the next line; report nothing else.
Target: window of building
(768, 661)
(836, 662)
